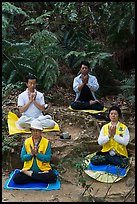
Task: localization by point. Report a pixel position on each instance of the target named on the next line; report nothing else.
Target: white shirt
(32, 111)
(124, 140)
(92, 84)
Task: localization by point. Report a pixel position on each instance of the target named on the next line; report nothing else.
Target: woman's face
(113, 115)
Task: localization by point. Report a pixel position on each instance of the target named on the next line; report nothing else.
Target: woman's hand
(112, 131)
(34, 150)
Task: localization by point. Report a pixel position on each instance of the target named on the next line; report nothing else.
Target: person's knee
(51, 123)
(73, 105)
(48, 117)
(23, 122)
(48, 123)
(94, 160)
(53, 177)
(97, 106)
(16, 179)
(99, 160)
(76, 105)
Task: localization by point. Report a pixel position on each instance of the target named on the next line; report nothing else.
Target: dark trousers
(85, 94)
(77, 105)
(82, 102)
(21, 178)
(102, 158)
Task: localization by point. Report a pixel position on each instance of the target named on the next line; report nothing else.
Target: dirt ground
(83, 129)
(70, 192)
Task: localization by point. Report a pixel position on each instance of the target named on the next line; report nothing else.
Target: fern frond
(47, 72)
(11, 78)
(94, 57)
(45, 37)
(38, 20)
(11, 9)
(77, 54)
(10, 48)
(128, 88)
(5, 24)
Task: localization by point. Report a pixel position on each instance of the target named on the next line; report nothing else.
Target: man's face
(84, 69)
(31, 85)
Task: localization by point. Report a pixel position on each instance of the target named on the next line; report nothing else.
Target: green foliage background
(39, 37)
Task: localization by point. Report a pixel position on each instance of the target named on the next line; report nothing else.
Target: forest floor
(84, 129)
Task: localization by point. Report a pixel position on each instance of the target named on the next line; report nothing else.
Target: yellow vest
(112, 144)
(42, 149)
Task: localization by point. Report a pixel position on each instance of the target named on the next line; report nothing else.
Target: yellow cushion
(103, 176)
(89, 111)
(13, 118)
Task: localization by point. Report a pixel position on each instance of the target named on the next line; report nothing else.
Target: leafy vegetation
(44, 37)
(128, 88)
(50, 33)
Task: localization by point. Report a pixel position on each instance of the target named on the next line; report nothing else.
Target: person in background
(31, 105)
(36, 155)
(84, 86)
(114, 137)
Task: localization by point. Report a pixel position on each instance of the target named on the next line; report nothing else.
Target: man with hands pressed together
(84, 86)
(32, 105)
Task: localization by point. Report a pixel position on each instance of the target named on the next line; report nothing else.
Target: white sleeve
(103, 139)
(76, 84)
(21, 101)
(93, 84)
(42, 101)
(124, 139)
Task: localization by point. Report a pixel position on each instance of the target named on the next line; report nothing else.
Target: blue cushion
(10, 184)
(109, 168)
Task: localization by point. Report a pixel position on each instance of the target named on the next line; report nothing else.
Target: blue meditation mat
(109, 168)
(11, 185)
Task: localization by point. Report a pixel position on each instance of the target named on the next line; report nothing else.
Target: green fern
(128, 88)
(37, 20)
(15, 64)
(12, 9)
(94, 58)
(8, 12)
(42, 51)
(48, 72)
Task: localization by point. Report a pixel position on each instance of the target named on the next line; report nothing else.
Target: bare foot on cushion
(29, 173)
(43, 172)
(93, 102)
(22, 128)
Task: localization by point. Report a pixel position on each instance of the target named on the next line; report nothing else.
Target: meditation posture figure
(114, 137)
(32, 105)
(36, 155)
(84, 86)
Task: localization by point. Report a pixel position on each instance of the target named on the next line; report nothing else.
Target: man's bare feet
(29, 173)
(93, 102)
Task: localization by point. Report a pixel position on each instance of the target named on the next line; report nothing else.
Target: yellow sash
(112, 144)
(43, 166)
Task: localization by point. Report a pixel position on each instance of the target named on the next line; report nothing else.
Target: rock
(130, 182)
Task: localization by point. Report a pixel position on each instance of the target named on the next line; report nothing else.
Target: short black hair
(85, 63)
(117, 109)
(30, 76)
